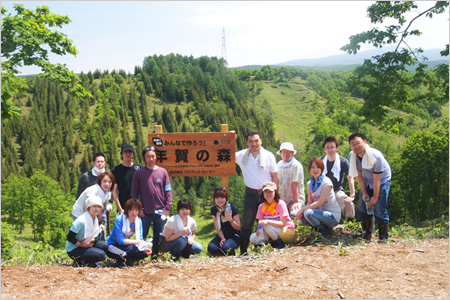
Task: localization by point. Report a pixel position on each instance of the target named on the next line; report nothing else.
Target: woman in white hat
(275, 224)
(82, 243)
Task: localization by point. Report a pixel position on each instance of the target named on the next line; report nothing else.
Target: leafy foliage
(25, 37)
(39, 201)
(384, 80)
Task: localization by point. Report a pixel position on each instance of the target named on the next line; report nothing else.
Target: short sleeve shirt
(172, 224)
(254, 177)
(286, 176)
(330, 203)
(280, 211)
(227, 228)
(381, 166)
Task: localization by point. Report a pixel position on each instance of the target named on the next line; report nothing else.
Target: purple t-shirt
(153, 188)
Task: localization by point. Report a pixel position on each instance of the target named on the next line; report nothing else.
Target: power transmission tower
(224, 48)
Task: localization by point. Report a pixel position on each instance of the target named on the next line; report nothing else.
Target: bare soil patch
(404, 269)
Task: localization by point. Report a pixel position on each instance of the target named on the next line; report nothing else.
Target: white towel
(180, 222)
(105, 196)
(127, 232)
(91, 228)
(336, 170)
(281, 164)
(367, 162)
(261, 157)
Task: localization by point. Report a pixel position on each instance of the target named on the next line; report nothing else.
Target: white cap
(93, 200)
(287, 146)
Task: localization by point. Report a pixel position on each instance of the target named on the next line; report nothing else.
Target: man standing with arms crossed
(123, 174)
(336, 168)
(373, 173)
(291, 179)
(151, 183)
(258, 166)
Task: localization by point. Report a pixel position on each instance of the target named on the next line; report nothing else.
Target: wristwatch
(352, 196)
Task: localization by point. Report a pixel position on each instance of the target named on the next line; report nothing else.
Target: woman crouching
(125, 226)
(82, 243)
(274, 221)
(179, 232)
(226, 220)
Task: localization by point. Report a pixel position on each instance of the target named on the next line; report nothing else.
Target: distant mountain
(355, 59)
(349, 61)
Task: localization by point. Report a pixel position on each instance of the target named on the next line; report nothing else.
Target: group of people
(274, 195)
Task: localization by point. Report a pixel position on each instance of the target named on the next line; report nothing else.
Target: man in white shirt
(258, 166)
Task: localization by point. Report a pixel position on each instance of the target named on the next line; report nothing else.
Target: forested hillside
(59, 135)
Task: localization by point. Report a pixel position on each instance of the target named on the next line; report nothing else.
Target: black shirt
(124, 178)
(227, 229)
(345, 166)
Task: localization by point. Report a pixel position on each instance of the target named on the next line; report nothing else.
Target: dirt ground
(403, 269)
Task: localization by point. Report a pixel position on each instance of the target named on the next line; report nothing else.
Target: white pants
(347, 210)
(269, 231)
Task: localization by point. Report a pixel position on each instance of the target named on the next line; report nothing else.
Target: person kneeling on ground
(179, 232)
(83, 244)
(273, 216)
(125, 226)
(227, 222)
(322, 211)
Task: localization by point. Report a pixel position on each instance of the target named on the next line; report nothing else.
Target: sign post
(195, 154)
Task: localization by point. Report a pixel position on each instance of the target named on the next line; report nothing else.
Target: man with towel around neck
(336, 168)
(373, 173)
(258, 166)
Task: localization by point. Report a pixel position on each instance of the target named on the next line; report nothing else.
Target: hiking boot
(367, 227)
(383, 233)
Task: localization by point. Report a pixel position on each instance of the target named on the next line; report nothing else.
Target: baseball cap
(126, 147)
(269, 186)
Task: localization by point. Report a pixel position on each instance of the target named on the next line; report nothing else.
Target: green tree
(25, 37)
(424, 174)
(385, 80)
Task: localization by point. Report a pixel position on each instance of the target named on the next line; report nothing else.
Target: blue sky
(119, 34)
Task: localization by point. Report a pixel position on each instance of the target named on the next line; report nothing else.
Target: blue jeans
(251, 203)
(158, 226)
(132, 251)
(316, 217)
(180, 247)
(227, 247)
(90, 255)
(380, 209)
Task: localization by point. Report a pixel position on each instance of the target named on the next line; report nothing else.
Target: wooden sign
(195, 154)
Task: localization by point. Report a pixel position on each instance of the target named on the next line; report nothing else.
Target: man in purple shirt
(152, 186)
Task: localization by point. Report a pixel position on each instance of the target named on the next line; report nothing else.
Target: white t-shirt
(172, 224)
(254, 177)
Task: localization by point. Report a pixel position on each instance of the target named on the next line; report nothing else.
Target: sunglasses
(220, 190)
(149, 149)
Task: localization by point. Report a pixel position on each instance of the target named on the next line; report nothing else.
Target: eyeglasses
(220, 190)
(355, 144)
(330, 148)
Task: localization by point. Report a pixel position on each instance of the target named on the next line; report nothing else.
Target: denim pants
(380, 209)
(180, 247)
(158, 226)
(227, 247)
(132, 251)
(251, 203)
(92, 254)
(316, 217)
